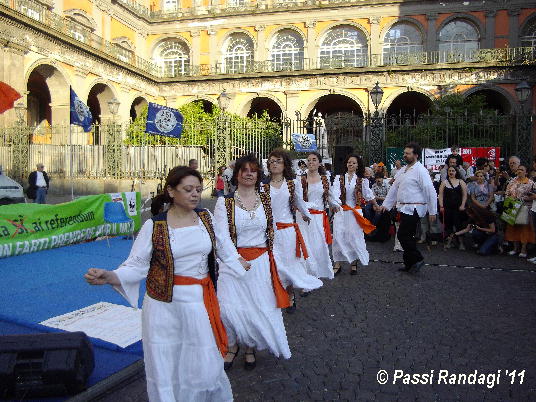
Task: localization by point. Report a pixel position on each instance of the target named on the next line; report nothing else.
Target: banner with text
(435, 158)
(472, 154)
(26, 228)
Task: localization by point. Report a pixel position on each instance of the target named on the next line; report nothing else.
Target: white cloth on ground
(182, 360)
(348, 237)
(248, 305)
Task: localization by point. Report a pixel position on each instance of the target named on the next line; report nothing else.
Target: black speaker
(340, 152)
(49, 364)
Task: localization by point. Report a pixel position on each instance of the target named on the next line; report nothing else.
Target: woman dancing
(317, 234)
(290, 251)
(183, 337)
(251, 303)
(349, 225)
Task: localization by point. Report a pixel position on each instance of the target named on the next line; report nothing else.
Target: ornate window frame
(82, 24)
(289, 60)
(173, 67)
(530, 22)
(467, 54)
(414, 52)
(359, 59)
(237, 62)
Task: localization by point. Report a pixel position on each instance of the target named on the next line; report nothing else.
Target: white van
(11, 192)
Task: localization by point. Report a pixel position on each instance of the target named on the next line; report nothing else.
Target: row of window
(342, 46)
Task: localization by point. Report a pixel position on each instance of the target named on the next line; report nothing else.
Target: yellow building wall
(386, 21)
(85, 5)
(119, 29)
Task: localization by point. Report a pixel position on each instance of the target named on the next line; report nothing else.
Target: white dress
(319, 262)
(182, 360)
(348, 237)
(248, 305)
(291, 269)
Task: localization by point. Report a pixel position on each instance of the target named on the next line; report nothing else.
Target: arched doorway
(494, 100)
(137, 105)
(409, 104)
(261, 104)
(337, 122)
(38, 100)
(97, 101)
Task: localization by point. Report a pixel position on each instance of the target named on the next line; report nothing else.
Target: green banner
(26, 228)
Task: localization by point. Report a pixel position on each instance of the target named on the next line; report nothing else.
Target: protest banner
(304, 142)
(27, 228)
(435, 158)
(472, 154)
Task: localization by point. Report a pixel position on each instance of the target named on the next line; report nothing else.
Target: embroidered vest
(266, 203)
(162, 268)
(358, 190)
(292, 199)
(325, 185)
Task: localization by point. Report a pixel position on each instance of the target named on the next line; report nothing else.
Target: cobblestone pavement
(464, 314)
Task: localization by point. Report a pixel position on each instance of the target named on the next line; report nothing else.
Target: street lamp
(224, 100)
(20, 108)
(114, 146)
(113, 105)
(524, 126)
(376, 132)
(222, 145)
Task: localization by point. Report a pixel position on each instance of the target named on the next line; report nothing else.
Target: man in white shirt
(414, 195)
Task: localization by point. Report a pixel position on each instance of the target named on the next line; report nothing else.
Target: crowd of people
(273, 234)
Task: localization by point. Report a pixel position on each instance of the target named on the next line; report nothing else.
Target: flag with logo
(80, 114)
(304, 142)
(163, 120)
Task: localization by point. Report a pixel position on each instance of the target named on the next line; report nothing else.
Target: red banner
(472, 154)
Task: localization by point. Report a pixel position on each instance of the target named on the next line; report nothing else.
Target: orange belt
(252, 253)
(212, 306)
(327, 230)
(365, 224)
(300, 243)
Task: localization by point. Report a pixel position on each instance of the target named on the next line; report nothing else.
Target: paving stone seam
(459, 266)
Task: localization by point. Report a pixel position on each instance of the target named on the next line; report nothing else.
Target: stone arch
(322, 34)
(100, 92)
(168, 37)
(407, 20)
(405, 101)
(308, 108)
(246, 106)
(49, 96)
(208, 103)
(220, 47)
(479, 25)
(137, 104)
(273, 35)
(505, 103)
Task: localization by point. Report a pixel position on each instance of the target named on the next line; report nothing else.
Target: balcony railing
(80, 33)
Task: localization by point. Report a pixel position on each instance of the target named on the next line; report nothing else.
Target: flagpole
(71, 160)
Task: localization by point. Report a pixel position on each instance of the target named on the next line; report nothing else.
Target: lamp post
(20, 143)
(114, 145)
(524, 123)
(376, 131)
(222, 145)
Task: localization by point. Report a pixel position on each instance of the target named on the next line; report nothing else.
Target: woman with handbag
(521, 233)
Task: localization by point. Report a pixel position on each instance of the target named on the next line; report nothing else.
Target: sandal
(353, 271)
(228, 365)
(250, 365)
(337, 269)
(292, 308)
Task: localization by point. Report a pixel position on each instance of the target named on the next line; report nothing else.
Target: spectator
(480, 191)
(451, 161)
(452, 199)
(219, 183)
(193, 164)
(481, 164)
(396, 169)
(532, 175)
(379, 188)
(455, 149)
(506, 173)
(469, 170)
(328, 168)
(481, 231)
(227, 178)
(38, 185)
(380, 169)
(521, 187)
(302, 168)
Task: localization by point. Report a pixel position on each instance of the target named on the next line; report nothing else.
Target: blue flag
(163, 120)
(304, 142)
(80, 114)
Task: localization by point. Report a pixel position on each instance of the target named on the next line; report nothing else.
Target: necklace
(277, 181)
(255, 206)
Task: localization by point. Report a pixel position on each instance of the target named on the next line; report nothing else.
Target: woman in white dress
(251, 303)
(183, 337)
(290, 251)
(349, 225)
(317, 234)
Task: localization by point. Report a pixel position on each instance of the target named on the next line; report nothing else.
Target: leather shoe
(417, 266)
(292, 308)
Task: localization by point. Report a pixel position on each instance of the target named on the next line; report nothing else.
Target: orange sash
(212, 306)
(365, 224)
(252, 253)
(300, 243)
(327, 230)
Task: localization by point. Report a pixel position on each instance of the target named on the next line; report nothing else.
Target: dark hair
(288, 173)
(327, 166)
(221, 170)
(379, 176)
(416, 148)
(481, 161)
(321, 169)
(360, 165)
(451, 157)
(173, 179)
(302, 162)
(454, 147)
(241, 162)
(457, 175)
(480, 215)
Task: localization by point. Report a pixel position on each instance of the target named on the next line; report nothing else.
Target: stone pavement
(464, 313)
